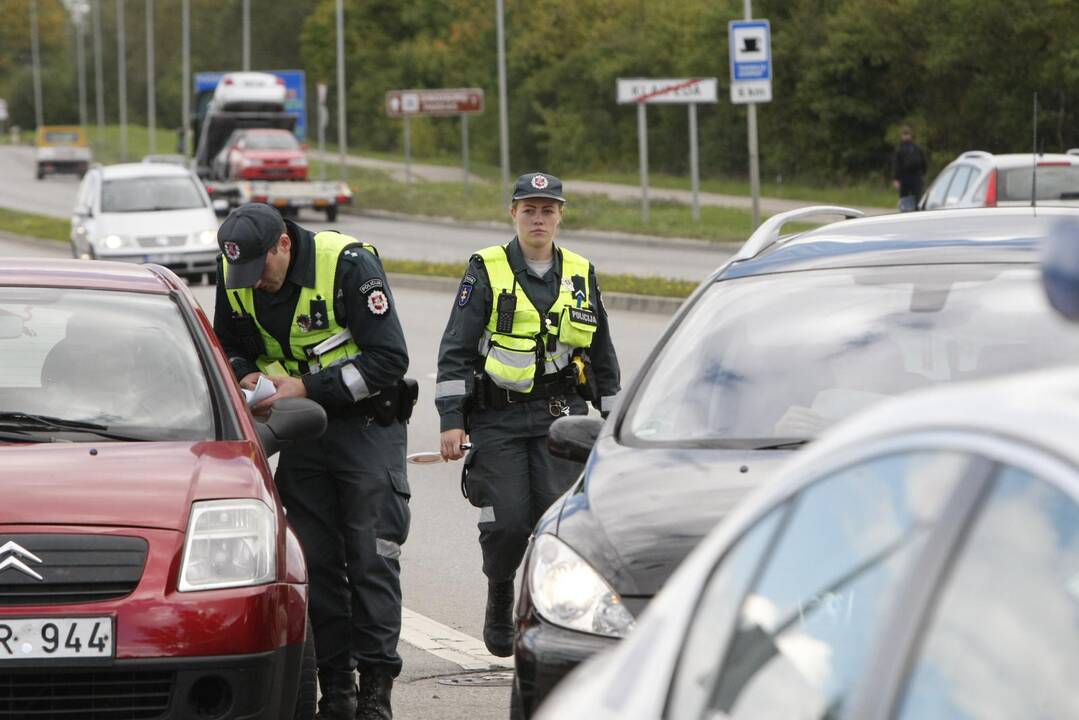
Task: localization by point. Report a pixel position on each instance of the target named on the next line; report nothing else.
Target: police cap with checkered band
(245, 237)
(538, 185)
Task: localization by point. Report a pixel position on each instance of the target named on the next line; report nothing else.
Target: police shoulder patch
(378, 303)
(464, 294)
(372, 284)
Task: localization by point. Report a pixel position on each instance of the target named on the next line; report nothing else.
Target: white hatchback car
(981, 179)
(146, 212)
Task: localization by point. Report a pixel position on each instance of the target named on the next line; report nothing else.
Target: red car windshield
(270, 141)
(124, 361)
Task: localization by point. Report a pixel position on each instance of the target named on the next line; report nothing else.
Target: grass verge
(33, 225)
(58, 230)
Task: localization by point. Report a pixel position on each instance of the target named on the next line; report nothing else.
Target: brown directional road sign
(457, 101)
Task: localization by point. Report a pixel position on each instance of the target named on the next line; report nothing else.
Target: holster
(395, 403)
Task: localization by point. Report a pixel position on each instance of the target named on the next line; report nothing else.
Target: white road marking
(441, 641)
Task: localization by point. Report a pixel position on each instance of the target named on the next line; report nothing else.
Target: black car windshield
(150, 193)
(122, 361)
(271, 141)
(1055, 182)
(765, 359)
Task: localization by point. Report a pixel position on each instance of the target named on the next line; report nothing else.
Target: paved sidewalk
(615, 191)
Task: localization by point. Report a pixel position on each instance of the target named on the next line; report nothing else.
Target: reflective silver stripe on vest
(354, 381)
(387, 548)
(332, 342)
(606, 404)
(487, 514)
(449, 388)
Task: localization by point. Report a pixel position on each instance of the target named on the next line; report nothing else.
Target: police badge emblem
(232, 251)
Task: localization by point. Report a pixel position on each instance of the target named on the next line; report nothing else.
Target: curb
(611, 300)
(572, 235)
(436, 283)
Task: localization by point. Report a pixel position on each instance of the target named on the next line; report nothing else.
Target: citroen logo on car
(11, 553)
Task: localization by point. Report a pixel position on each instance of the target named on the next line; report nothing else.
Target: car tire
(40, 174)
(517, 711)
(307, 689)
(331, 213)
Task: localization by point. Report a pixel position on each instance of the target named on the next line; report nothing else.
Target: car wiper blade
(24, 419)
(784, 444)
(30, 421)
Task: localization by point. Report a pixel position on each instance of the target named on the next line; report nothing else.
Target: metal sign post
(680, 91)
(751, 83)
(323, 121)
(434, 103)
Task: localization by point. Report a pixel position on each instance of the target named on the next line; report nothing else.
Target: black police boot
(498, 622)
(338, 701)
(374, 702)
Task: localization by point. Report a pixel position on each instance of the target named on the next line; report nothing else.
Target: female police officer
(527, 339)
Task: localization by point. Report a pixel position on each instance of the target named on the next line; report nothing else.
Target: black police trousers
(346, 496)
(513, 479)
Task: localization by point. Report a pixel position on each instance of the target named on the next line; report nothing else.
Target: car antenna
(1034, 158)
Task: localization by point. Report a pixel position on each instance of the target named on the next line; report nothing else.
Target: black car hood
(638, 512)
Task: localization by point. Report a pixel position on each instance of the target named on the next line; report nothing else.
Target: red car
(261, 154)
(146, 568)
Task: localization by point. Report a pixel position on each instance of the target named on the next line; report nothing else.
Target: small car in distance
(146, 212)
(61, 149)
(146, 566)
(249, 91)
(261, 154)
(981, 179)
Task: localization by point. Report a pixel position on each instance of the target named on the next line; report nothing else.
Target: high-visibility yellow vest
(536, 345)
(307, 331)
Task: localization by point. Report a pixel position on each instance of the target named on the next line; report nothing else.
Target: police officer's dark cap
(245, 237)
(538, 185)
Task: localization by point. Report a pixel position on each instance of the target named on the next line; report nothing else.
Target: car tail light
(991, 190)
(342, 199)
(227, 81)
(259, 198)
(280, 81)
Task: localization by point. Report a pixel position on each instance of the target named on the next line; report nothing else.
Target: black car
(791, 335)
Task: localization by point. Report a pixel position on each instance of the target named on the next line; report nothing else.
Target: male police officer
(314, 313)
(527, 339)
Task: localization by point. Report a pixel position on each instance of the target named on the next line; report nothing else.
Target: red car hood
(128, 484)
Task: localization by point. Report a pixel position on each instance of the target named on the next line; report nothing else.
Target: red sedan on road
(146, 567)
(261, 154)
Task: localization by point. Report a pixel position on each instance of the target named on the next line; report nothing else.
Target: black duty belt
(500, 398)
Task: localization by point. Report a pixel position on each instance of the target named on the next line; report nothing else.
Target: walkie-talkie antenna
(1034, 158)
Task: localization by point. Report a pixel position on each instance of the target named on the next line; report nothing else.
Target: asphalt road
(396, 238)
(444, 589)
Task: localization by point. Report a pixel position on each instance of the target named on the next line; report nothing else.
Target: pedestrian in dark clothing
(527, 340)
(909, 165)
(314, 313)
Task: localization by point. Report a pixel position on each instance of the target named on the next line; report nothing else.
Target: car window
(62, 137)
(714, 617)
(958, 185)
(806, 627)
(935, 198)
(1055, 182)
(119, 359)
(271, 141)
(778, 357)
(1004, 639)
(146, 194)
(979, 194)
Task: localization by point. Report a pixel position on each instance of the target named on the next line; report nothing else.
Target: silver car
(146, 212)
(922, 561)
(981, 179)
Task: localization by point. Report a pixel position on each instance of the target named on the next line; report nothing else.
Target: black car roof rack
(767, 234)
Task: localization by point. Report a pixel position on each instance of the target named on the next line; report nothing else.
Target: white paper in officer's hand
(263, 389)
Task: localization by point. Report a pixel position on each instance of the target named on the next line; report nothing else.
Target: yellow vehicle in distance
(61, 149)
